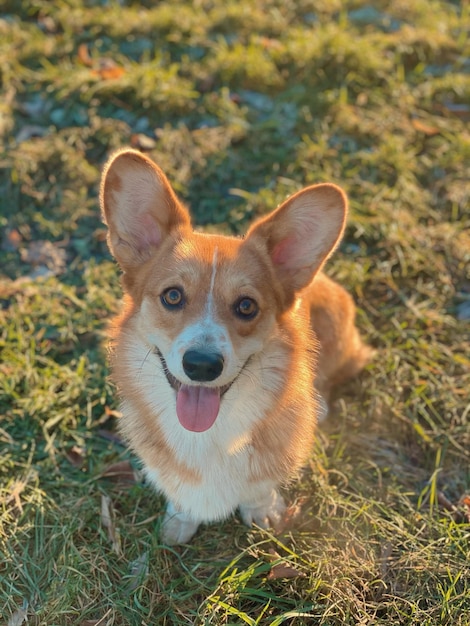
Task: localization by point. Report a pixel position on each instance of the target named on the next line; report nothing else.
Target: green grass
(242, 103)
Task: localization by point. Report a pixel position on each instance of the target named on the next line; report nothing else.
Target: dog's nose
(202, 366)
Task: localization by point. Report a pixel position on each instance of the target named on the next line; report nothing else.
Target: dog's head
(208, 303)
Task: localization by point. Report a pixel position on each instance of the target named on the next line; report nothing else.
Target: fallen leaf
(424, 128)
(108, 70)
(76, 456)
(11, 240)
(142, 142)
(464, 506)
(110, 436)
(445, 503)
(84, 55)
(292, 514)
(460, 511)
(282, 569)
(121, 472)
(104, 67)
(107, 519)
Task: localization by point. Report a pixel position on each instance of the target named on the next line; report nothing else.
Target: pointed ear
(302, 233)
(139, 206)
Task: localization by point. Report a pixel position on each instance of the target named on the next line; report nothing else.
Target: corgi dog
(227, 348)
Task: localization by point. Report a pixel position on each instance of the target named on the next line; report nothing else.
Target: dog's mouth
(197, 406)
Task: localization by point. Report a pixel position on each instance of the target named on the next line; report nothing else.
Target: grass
(242, 103)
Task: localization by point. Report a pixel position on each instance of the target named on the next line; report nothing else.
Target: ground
(241, 103)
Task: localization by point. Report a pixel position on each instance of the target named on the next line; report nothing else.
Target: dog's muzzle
(199, 367)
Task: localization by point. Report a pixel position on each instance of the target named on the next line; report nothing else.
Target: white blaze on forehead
(206, 332)
(207, 325)
(210, 297)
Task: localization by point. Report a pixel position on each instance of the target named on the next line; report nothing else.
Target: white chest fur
(222, 457)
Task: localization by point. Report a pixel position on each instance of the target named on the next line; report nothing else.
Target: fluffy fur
(226, 349)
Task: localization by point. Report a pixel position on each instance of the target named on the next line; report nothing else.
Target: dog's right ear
(139, 206)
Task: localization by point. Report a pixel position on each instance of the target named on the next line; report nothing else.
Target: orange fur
(217, 390)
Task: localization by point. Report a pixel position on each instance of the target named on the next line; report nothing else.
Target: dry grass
(241, 103)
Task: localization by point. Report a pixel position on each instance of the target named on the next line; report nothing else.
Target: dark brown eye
(246, 308)
(173, 298)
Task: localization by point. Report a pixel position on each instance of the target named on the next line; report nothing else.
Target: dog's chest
(208, 474)
(223, 470)
(221, 459)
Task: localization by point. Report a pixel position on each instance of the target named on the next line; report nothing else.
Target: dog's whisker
(144, 361)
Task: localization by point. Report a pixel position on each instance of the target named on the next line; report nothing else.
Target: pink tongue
(197, 407)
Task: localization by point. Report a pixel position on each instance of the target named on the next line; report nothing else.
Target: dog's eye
(172, 298)
(246, 308)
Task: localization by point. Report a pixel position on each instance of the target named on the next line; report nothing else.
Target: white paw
(177, 527)
(268, 514)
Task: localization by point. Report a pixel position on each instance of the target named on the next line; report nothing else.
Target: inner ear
(139, 206)
(302, 233)
(282, 252)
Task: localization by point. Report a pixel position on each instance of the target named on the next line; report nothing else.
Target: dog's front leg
(265, 507)
(177, 526)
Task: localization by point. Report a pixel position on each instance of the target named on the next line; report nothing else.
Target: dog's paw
(177, 527)
(268, 514)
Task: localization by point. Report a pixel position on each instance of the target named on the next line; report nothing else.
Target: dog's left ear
(139, 206)
(302, 233)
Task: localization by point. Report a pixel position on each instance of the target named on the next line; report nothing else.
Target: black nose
(202, 366)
